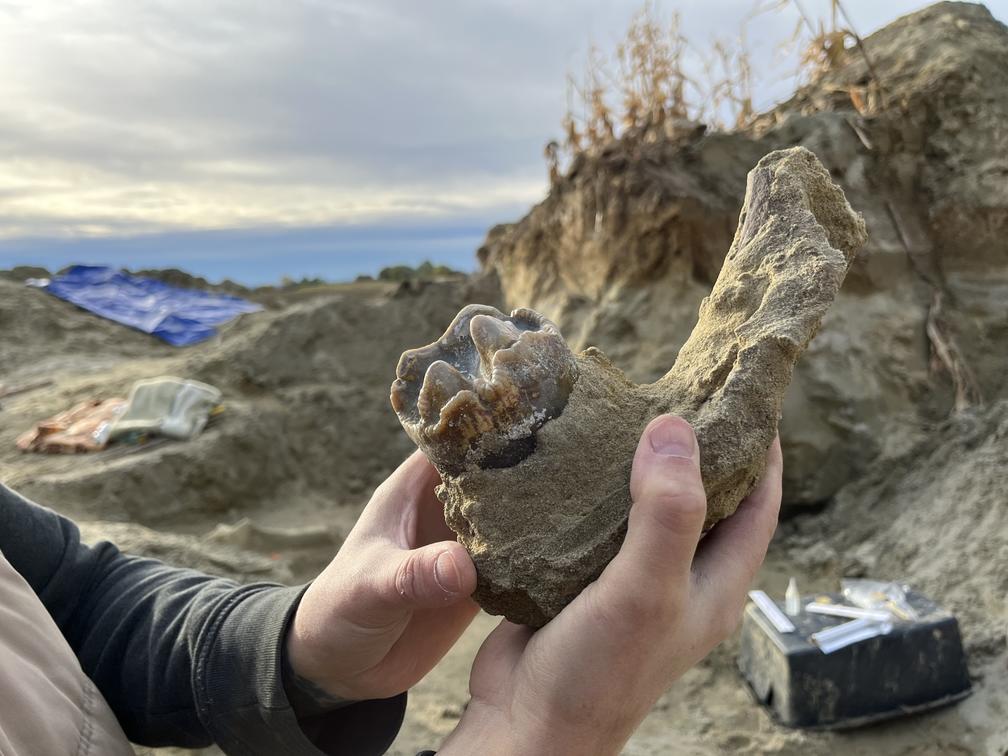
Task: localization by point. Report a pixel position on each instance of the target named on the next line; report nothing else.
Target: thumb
(669, 505)
(431, 576)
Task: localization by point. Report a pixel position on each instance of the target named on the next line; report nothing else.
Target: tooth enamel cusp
(535, 445)
(477, 395)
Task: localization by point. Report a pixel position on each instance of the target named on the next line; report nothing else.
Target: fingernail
(671, 437)
(446, 573)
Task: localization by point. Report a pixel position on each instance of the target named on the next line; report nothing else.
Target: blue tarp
(176, 315)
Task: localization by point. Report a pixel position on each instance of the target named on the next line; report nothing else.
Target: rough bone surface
(535, 444)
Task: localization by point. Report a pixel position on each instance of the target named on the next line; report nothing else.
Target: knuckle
(407, 576)
(678, 507)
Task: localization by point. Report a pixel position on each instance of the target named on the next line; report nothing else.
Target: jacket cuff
(239, 692)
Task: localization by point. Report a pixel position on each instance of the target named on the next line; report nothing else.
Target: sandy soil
(295, 401)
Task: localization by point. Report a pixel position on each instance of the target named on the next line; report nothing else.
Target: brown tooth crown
(481, 391)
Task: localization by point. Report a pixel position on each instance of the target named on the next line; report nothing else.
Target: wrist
(307, 691)
(306, 697)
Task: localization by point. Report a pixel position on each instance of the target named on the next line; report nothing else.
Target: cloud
(120, 117)
(139, 115)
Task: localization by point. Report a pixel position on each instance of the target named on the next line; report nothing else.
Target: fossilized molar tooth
(535, 444)
(478, 394)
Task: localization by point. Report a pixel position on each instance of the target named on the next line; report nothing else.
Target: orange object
(82, 428)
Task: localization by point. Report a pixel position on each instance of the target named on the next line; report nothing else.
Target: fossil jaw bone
(535, 444)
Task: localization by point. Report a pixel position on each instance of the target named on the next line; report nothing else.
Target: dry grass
(643, 90)
(826, 47)
(728, 73)
(648, 89)
(652, 83)
(823, 45)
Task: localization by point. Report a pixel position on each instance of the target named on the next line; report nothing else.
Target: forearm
(156, 640)
(182, 658)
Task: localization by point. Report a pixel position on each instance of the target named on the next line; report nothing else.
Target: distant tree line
(424, 271)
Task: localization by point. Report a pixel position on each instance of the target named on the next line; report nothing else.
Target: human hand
(391, 603)
(582, 684)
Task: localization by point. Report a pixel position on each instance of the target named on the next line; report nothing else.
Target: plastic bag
(876, 594)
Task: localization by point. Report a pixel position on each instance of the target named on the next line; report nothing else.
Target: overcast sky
(142, 130)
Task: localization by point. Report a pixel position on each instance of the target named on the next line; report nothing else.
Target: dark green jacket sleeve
(183, 659)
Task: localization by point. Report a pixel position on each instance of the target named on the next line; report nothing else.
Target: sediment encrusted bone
(535, 444)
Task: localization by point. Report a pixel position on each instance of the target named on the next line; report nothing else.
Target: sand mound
(198, 553)
(306, 403)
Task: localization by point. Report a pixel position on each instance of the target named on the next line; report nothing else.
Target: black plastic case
(918, 666)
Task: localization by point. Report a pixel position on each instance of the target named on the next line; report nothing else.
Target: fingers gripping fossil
(535, 443)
